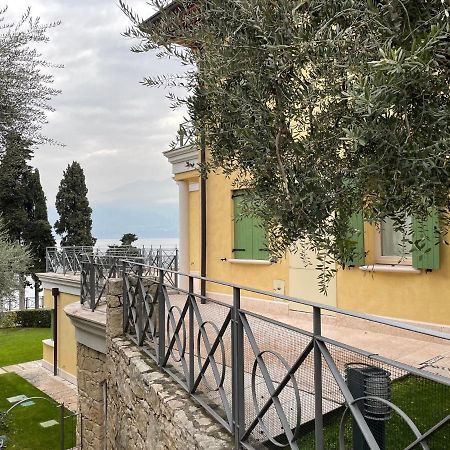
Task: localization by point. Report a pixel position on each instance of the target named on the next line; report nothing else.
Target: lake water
(147, 243)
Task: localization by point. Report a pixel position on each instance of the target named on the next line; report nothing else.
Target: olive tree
(321, 109)
(26, 84)
(14, 259)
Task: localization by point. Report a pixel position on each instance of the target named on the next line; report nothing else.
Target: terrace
(322, 379)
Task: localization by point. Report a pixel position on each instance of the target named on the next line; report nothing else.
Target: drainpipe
(203, 215)
(55, 294)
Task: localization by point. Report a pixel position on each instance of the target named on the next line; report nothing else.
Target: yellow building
(386, 282)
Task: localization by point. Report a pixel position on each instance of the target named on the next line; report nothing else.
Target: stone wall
(91, 375)
(146, 408)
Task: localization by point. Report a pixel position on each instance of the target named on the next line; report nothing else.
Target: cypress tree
(13, 190)
(37, 233)
(23, 206)
(75, 222)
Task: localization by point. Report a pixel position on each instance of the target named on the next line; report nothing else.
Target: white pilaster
(183, 197)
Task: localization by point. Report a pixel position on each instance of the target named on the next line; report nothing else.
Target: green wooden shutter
(243, 231)
(259, 241)
(356, 239)
(426, 245)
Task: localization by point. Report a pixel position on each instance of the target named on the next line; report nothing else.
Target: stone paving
(57, 388)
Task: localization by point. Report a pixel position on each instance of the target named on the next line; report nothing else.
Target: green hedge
(27, 318)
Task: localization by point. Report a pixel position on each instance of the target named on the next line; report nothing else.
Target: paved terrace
(414, 349)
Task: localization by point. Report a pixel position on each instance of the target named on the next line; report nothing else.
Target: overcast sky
(113, 125)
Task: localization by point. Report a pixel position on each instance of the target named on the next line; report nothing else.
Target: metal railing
(271, 383)
(185, 135)
(13, 303)
(97, 268)
(66, 259)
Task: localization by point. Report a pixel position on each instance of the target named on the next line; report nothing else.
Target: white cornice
(90, 326)
(68, 284)
(183, 159)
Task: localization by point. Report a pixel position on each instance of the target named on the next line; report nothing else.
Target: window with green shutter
(426, 242)
(417, 244)
(356, 240)
(249, 237)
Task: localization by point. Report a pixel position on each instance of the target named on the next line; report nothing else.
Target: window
(249, 236)
(394, 244)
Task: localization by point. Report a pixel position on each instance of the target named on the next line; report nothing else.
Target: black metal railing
(97, 268)
(271, 383)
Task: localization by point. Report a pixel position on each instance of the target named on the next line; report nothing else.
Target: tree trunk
(37, 289)
(21, 291)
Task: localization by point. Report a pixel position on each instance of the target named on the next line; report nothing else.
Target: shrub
(28, 318)
(8, 319)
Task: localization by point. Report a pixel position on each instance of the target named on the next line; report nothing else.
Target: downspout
(203, 215)
(55, 294)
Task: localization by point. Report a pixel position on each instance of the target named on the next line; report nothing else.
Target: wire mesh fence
(272, 384)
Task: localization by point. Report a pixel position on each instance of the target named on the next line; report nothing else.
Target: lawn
(21, 427)
(21, 344)
(424, 401)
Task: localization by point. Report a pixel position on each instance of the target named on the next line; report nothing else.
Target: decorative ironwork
(66, 259)
(185, 136)
(262, 389)
(96, 266)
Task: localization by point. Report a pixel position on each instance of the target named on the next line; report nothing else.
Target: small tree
(14, 259)
(128, 238)
(126, 245)
(75, 222)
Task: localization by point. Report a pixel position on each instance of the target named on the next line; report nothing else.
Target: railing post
(63, 260)
(61, 426)
(176, 267)
(160, 258)
(140, 306)
(237, 340)
(92, 285)
(318, 419)
(191, 299)
(161, 319)
(124, 298)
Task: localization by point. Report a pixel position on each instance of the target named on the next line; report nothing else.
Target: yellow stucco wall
(423, 297)
(67, 347)
(47, 352)
(220, 238)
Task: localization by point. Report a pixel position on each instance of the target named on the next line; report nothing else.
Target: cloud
(107, 120)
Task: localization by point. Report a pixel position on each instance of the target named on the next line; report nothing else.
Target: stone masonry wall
(91, 374)
(146, 408)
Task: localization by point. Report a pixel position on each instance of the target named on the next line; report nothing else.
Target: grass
(21, 427)
(21, 344)
(424, 401)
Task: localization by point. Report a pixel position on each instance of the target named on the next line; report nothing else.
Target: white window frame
(386, 259)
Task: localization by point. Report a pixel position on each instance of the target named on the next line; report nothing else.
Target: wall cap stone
(90, 326)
